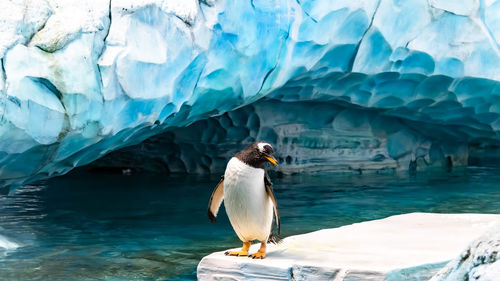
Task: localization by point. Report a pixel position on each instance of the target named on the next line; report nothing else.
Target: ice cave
(380, 87)
(81, 79)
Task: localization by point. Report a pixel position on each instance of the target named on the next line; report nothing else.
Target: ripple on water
(151, 227)
(6, 244)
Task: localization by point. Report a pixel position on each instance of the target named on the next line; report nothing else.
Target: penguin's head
(257, 154)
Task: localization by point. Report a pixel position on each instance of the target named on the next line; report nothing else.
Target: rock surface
(480, 261)
(403, 247)
(79, 79)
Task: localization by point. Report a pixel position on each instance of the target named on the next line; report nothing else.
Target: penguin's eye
(268, 149)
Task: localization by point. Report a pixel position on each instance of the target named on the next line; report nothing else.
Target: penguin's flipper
(270, 193)
(216, 200)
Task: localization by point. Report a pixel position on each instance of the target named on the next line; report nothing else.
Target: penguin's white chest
(247, 204)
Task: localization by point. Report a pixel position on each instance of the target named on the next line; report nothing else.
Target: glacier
(343, 85)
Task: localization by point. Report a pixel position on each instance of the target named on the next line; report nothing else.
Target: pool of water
(151, 227)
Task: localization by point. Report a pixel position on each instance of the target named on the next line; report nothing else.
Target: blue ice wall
(80, 79)
(308, 136)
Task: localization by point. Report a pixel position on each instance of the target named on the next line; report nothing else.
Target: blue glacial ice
(343, 84)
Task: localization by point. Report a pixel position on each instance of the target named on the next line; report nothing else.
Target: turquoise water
(150, 227)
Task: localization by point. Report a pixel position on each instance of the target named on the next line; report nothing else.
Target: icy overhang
(79, 79)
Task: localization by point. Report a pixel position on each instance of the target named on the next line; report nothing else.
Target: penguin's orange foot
(236, 253)
(261, 253)
(258, 255)
(242, 253)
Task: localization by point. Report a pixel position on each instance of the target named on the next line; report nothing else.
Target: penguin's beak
(272, 160)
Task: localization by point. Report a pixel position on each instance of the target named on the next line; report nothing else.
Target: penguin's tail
(274, 239)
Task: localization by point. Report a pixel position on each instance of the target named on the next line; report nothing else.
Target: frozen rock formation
(404, 247)
(82, 78)
(480, 261)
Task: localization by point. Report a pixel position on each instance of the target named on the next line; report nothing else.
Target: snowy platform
(403, 247)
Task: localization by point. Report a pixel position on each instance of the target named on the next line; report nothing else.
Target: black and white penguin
(248, 197)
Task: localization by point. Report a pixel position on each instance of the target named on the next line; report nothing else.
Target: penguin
(248, 197)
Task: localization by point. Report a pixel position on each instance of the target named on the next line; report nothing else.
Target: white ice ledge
(403, 247)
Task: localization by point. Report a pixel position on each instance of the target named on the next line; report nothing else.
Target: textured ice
(479, 261)
(79, 79)
(404, 247)
(307, 136)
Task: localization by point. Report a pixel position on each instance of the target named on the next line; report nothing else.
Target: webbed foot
(236, 253)
(242, 253)
(261, 253)
(258, 255)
